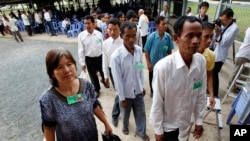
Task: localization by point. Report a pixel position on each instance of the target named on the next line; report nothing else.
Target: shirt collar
(93, 33)
(157, 35)
(180, 62)
(125, 51)
(115, 40)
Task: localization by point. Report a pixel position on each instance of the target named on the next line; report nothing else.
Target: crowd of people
(112, 47)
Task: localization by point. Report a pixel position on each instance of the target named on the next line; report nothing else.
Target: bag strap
(224, 31)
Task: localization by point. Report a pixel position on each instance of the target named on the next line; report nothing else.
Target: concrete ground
(21, 120)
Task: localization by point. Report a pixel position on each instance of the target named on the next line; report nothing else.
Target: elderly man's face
(190, 38)
(129, 37)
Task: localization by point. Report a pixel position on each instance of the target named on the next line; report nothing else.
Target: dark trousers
(150, 76)
(2, 29)
(171, 136)
(144, 39)
(51, 28)
(94, 65)
(216, 70)
(116, 106)
(28, 29)
(17, 34)
(41, 28)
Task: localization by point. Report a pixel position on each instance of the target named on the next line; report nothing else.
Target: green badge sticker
(139, 65)
(74, 99)
(165, 47)
(98, 41)
(197, 85)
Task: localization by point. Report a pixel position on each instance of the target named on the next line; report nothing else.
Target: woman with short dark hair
(69, 106)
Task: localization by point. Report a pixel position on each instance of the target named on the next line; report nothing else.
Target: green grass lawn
(241, 13)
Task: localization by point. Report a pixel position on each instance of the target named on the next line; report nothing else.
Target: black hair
(158, 19)
(179, 23)
(204, 3)
(120, 14)
(131, 14)
(128, 25)
(89, 17)
(114, 21)
(207, 25)
(93, 12)
(228, 12)
(101, 16)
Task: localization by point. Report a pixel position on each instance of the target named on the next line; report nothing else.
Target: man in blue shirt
(127, 70)
(159, 44)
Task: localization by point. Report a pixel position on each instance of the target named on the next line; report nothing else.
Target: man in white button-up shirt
(26, 22)
(143, 26)
(225, 36)
(90, 52)
(47, 18)
(127, 70)
(179, 85)
(109, 46)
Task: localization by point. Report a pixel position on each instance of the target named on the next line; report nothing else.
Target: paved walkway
(37, 46)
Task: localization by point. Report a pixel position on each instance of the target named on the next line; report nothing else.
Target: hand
(159, 137)
(212, 102)
(124, 103)
(217, 30)
(150, 67)
(108, 130)
(198, 131)
(84, 68)
(106, 81)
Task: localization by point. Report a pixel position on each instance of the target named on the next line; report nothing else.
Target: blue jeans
(137, 104)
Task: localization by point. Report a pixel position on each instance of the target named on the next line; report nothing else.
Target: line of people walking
(178, 80)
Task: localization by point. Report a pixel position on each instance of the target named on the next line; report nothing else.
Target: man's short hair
(158, 19)
(179, 23)
(131, 14)
(89, 17)
(228, 12)
(128, 25)
(92, 12)
(114, 21)
(207, 25)
(204, 3)
(120, 14)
